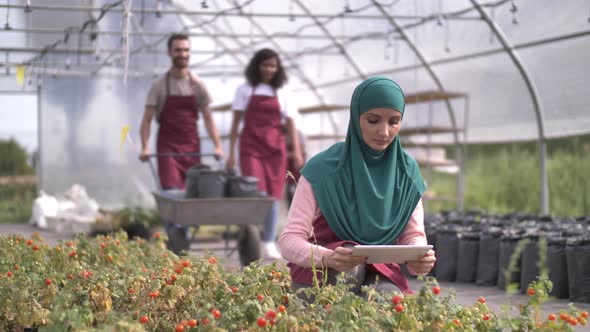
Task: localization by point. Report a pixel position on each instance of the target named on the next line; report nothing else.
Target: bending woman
(365, 190)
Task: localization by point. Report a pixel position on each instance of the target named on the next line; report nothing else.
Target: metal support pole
(463, 161)
(39, 160)
(537, 106)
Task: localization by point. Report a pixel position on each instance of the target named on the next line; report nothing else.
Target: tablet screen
(390, 253)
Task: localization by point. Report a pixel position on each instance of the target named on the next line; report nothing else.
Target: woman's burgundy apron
(262, 144)
(326, 237)
(177, 133)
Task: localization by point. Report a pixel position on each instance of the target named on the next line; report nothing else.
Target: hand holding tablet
(390, 253)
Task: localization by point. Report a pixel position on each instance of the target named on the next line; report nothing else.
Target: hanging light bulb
(347, 9)
(7, 24)
(204, 4)
(158, 8)
(447, 37)
(28, 7)
(97, 53)
(291, 16)
(439, 17)
(514, 10)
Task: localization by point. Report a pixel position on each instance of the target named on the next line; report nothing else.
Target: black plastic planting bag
(578, 268)
(488, 257)
(508, 243)
(447, 245)
(530, 262)
(467, 257)
(557, 265)
(430, 229)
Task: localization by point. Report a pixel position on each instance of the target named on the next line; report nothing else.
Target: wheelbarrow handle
(184, 154)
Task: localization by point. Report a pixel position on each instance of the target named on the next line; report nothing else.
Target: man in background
(176, 100)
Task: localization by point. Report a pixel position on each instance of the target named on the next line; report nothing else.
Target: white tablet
(390, 253)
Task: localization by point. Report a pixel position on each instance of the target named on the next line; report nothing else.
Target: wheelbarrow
(245, 212)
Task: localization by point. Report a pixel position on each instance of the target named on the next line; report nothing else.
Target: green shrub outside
(14, 159)
(504, 178)
(16, 202)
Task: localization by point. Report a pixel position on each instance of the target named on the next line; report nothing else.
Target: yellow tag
(20, 74)
(124, 133)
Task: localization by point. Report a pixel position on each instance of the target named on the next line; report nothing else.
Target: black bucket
(242, 186)
(211, 183)
(488, 256)
(192, 180)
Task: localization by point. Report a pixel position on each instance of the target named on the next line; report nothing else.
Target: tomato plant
(139, 289)
(397, 299)
(436, 290)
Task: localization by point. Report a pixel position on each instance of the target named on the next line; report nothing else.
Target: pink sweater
(293, 242)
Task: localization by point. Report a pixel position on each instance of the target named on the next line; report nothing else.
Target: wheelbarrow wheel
(248, 244)
(177, 240)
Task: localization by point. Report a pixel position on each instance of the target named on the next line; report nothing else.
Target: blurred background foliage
(504, 178)
(500, 178)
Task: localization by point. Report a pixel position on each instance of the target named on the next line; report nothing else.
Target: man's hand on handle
(218, 153)
(143, 156)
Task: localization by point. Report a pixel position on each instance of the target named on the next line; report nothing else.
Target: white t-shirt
(244, 91)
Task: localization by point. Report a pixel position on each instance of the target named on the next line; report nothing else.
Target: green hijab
(366, 195)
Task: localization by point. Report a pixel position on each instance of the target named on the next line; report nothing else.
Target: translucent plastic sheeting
(560, 71)
(423, 44)
(81, 124)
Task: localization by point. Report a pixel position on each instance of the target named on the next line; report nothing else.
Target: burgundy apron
(262, 145)
(326, 237)
(177, 133)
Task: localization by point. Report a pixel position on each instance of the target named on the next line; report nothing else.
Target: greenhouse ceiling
(520, 63)
(492, 71)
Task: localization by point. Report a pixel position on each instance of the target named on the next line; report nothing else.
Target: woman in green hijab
(365, 190)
